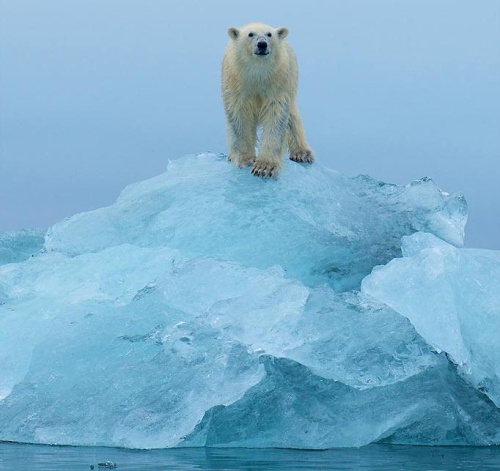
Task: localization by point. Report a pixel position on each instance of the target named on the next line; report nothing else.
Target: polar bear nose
(262, 45)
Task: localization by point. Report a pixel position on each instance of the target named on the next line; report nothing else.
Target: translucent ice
(318, 225)
(207, 307)
(18, 246)
(452, 297)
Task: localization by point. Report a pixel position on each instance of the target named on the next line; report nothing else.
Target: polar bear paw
(241, 160)
(266, 168)
(302, 155)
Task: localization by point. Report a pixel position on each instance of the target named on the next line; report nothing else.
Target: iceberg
(207, 307)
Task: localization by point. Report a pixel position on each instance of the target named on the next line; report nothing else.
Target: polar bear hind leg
(297, 145)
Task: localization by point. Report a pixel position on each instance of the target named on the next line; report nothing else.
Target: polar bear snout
(262, 47)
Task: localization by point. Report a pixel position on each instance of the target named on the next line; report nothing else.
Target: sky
(97, 94)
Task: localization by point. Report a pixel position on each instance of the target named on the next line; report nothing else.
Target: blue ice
(207, 307)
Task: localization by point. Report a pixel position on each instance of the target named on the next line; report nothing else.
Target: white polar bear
(259, 88)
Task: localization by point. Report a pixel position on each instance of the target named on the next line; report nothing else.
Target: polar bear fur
(259, 88)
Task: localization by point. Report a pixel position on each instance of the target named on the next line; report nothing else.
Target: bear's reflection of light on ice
(259, 88)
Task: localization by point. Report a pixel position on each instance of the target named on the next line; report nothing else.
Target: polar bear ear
(233, 33)
(282, 32)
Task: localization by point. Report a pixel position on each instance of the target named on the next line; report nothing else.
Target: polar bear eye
(268, 35)
(251, 35)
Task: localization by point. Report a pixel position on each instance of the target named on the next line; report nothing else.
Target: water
(18, 457)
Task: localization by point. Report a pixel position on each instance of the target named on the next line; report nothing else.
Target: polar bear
(259, 88)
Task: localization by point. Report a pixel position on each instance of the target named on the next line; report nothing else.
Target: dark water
(374, 457)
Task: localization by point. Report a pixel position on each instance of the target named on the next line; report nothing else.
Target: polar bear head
(258, 39)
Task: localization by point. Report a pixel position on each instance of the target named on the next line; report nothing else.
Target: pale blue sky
(97, 94)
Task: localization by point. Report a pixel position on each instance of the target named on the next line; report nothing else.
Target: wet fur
(261, 91)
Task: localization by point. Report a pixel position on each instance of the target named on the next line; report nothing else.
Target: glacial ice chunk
(291, 407)
(318, 225)
(452, 297)
(207, 307)
(19, 245)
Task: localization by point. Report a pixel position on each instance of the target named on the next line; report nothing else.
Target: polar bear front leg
(242, 137)
(275, 118)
